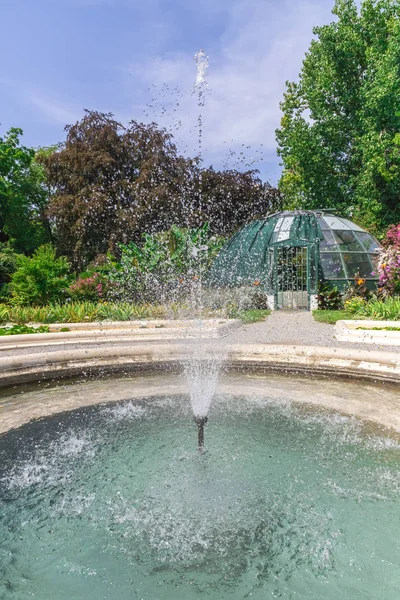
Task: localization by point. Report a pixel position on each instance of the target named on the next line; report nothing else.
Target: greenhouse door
(291, 274)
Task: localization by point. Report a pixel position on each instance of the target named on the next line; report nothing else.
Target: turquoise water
(114, 502)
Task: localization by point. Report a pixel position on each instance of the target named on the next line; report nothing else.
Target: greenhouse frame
(287, 255)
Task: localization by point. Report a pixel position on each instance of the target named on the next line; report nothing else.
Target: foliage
(253, 315)
(389, 263)
(355, 304)
(378, 328)
(329, 298)
(93, 287)
(40, 279)
(387, 309)
(166, 266)
(332, 316)
(23, 194)
(392, 238)
(111, 183)
(80, 312)
(22, 329)
(8, 264)
(8, 261)
(77, 312)
(340, 131)
(357, 290)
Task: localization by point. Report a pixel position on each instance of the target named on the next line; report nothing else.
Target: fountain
(201, 370)
(103, 496)
(110, 501)
(200, 422)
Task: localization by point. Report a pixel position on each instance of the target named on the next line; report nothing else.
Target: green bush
(77, 312)
(23, 329)
(355, 305)
(8, 264)
(329, 298)
(357, 290)
(387, 310)
(165, 266)
(41, 279)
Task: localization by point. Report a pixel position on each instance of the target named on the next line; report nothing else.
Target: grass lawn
(253, 315)
(331, 316)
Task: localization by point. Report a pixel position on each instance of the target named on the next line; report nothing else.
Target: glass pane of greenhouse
(328, 242)
(357, 264)
(347, 240)
(368, 241)
(351, 225)
(323, 224)
(331, 264)
(337, 223)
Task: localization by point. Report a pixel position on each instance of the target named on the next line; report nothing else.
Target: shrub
(23, 329)
(357, 290)
(41, 279)
(355, 305)
(387, 309)
(392, 238)
(329, 298)
(93, 287)
(77, 312)
(8, 264)
(166, 266)
(389, 263)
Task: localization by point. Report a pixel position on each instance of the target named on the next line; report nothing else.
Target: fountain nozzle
(200, 422)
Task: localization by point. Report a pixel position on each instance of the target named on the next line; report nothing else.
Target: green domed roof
(337, 249)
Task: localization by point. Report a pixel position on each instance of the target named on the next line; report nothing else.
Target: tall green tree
(23, 195)
(340, 131)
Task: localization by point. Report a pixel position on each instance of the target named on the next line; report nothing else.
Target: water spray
(200, 422)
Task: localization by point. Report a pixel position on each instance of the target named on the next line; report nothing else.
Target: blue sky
(120, 56)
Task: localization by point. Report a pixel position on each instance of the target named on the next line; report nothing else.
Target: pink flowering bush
(89, 288)
(392, 237)
(389, 263)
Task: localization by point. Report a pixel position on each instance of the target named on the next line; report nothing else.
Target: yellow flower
(256, 282)
(360, 281)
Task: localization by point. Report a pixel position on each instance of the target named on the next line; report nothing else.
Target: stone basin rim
(378, 409)
(328, 361)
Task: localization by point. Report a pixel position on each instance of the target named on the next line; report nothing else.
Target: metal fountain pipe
(200, 422)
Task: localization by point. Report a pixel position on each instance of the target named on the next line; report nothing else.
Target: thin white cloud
(262, 46)
(53, 111)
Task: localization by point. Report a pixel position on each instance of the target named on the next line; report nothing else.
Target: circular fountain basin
(113, 501)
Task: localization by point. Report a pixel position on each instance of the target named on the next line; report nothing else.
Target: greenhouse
(288, 254)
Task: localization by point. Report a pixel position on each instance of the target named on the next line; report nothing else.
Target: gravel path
(296, 328)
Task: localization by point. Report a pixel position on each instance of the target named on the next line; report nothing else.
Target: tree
(112, 183)
(340, 131)
(23, 195)
(228, 199)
